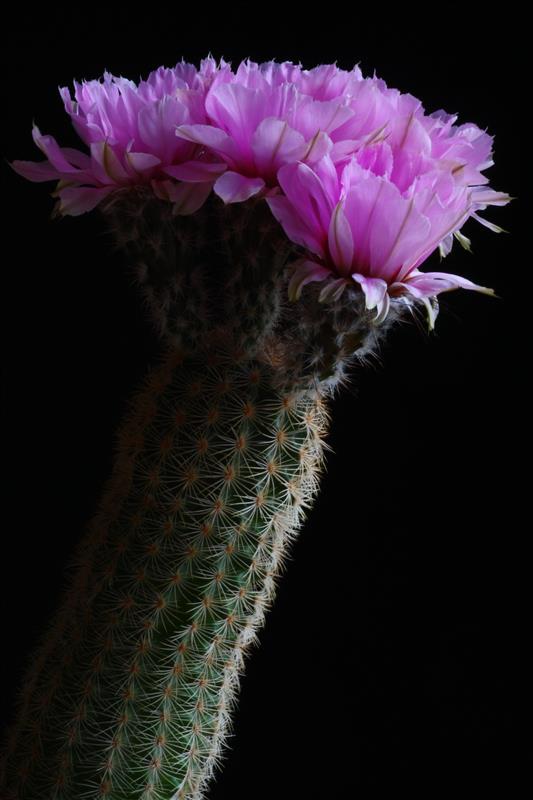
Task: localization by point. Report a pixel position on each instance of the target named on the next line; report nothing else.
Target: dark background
(392, 659)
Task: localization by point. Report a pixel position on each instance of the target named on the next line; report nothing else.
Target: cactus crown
(225, 271)
(361, 184)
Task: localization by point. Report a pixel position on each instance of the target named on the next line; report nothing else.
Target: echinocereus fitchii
(275, 219)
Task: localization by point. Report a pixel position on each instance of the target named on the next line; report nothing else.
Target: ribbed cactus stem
(214, 471)
(129, 693)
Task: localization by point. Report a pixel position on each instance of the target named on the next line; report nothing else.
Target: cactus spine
(130, 692)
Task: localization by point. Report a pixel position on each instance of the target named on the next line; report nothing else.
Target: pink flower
(358, 226)
(268, 115)
(324, 82)
(414, 143)
(357, 173)
(130, 133)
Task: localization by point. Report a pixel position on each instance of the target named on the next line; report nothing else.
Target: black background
(392, 659)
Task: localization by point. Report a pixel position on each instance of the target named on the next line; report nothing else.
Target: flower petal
(398, 230)
(238, 110)
(36, 171)
(383, 309)
(76, 200)
(294, 226)
(107, 159)
(327, 116)
(141, 162)
(374, 289)
(431, 283)
(446, 245)
(234, 188)
(189, 197)
(156, 125)
(305, 272)
(485, 196)
(196, 171)
(77, 158)
(490, 225)
(52, 151)
(209, 136)
(333, 290)
(307, 193)
(340, 240)
(274, 143)
(318, 147)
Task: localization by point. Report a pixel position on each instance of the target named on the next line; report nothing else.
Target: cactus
(129, 693)
(215, 469)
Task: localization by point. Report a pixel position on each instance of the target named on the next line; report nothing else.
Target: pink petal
(111, 167)
(238, 110)
(76, 200)
(446, 245)
(490, 225)
(450, 220)
(211, 137)
(141, 162)
(196, 171)
(274, 143)
(306, 192)
(189, 197)
(157, 123)
(333, 290)
(408, 133)
(486, 196)
(340, 240)
(294, 226)
(378, 159)
(164, 189)
(343, 149)
(427, 284)
(361, 206)
(52, 151)
(234, 188)
(77, 158)
(323, 115)
(305, 272)
(382, 308)
(204, 134)
(398, 231)
(319, 146)
(374, 289)
(36, 171)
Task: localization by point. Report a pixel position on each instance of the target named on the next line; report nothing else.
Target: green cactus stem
(129, 694)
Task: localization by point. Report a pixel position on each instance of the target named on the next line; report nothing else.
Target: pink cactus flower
(413, 143)
(130, 133)
(264, 116)
(357, 225)
(357, 173)
(324, 82)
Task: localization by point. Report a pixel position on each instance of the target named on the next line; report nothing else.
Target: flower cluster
(358, 175)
